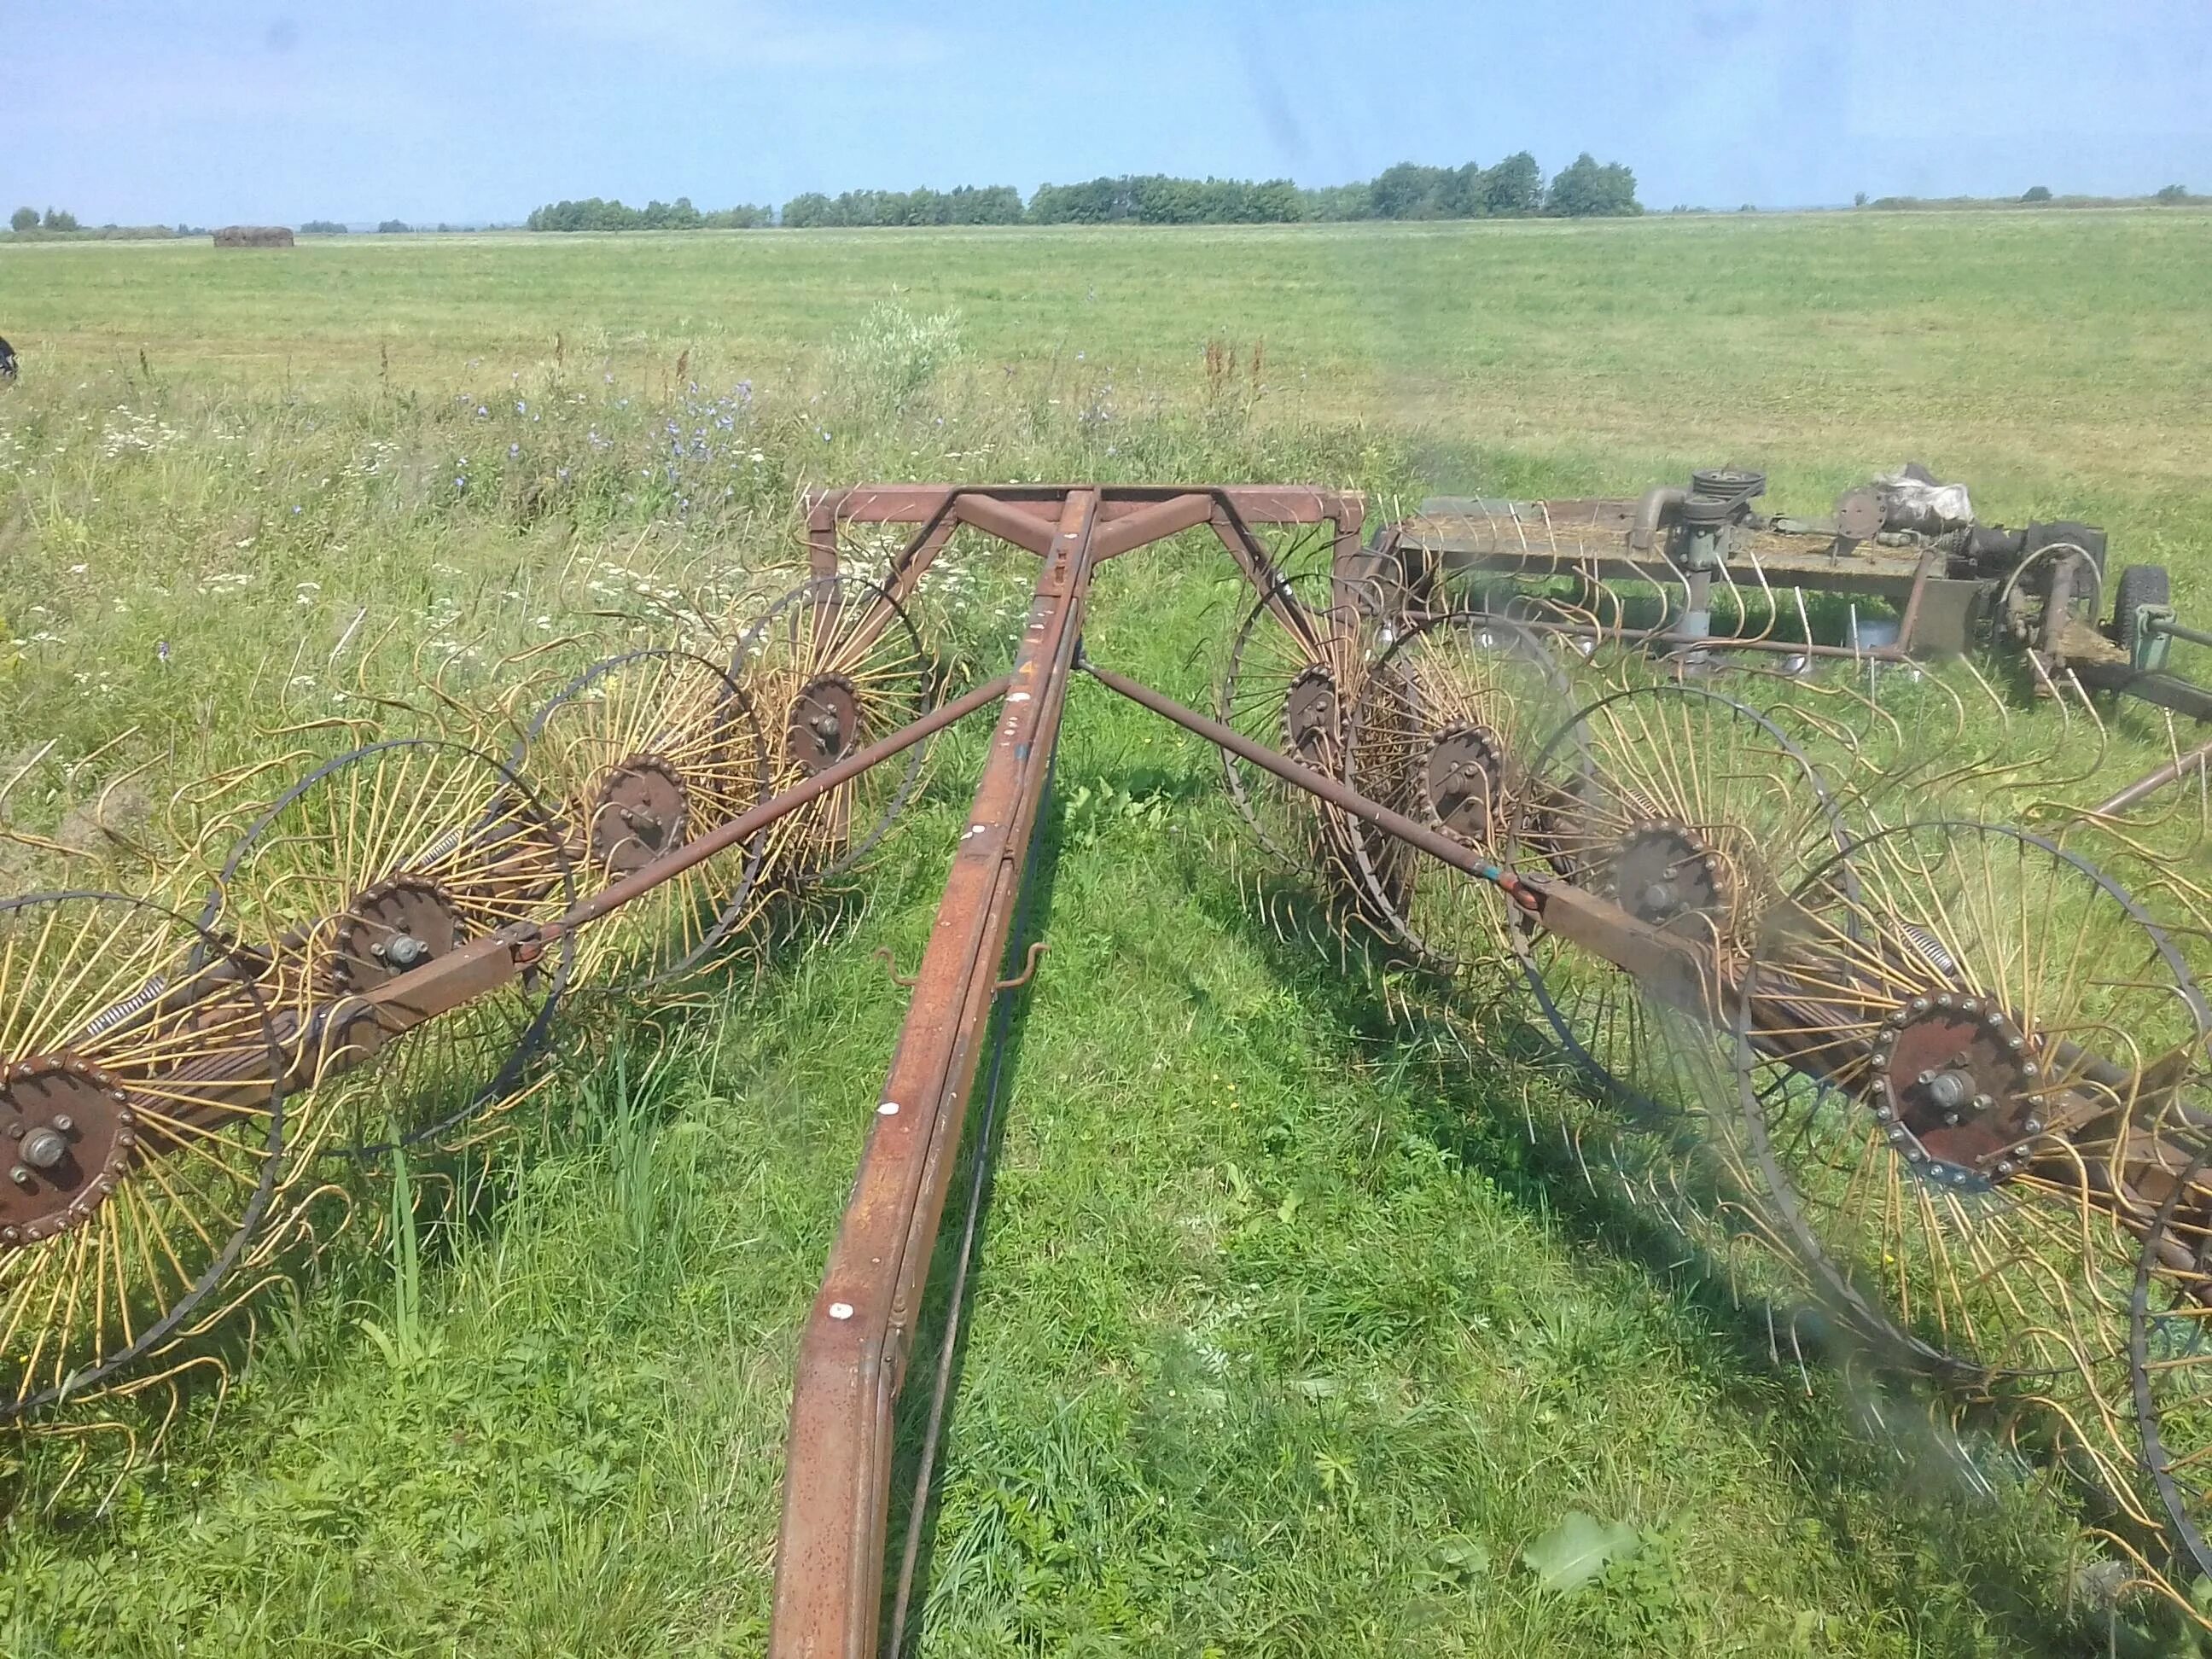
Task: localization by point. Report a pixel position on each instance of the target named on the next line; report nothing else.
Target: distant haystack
(253, 236)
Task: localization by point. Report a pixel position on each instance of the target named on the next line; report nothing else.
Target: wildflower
(513, 450)
(482, 414)
(161, 650)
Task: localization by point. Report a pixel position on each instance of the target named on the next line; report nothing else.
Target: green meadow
(1297, 1325)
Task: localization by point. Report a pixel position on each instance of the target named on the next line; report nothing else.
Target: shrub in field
(892, 357)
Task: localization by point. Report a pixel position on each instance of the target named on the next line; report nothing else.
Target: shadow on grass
(1849, 1430)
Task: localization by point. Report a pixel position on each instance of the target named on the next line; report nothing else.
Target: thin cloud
(738, 36)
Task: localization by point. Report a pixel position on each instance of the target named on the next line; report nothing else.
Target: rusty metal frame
(1130, 516)
(859, 1334)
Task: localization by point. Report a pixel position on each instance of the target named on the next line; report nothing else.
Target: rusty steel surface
(855, 1348)
(1130, 516)
(2197, 760)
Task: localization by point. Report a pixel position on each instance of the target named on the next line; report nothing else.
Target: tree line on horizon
(1514, 188)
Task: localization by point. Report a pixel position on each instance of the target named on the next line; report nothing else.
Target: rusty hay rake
(1946, 1077)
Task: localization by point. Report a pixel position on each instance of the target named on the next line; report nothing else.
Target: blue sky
(469, 110)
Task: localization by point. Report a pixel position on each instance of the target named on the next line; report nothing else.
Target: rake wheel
(1443, 731)
(1295, 666)
(376, 863)
(1987, 1042)
(2170, 1353)
(142, 1102)
(638, 755)
(834, 665)
(1694, 813)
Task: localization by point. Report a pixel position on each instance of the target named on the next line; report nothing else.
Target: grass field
(1287, 1336)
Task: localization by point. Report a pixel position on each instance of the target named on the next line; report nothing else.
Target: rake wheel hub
(1954, 1082)
(640, 814)
(1310, 714)
(389, 928)
(68, 1132)
(1462, 782)
(1663, 872)
(824, 721)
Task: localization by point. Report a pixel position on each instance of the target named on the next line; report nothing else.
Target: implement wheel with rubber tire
(2139, 585)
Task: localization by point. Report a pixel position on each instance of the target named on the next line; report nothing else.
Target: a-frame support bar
(853, 1352)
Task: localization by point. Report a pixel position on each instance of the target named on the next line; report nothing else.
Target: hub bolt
(20, 1176)
(1948, 1089)
(405, 951)
(44, 1148)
